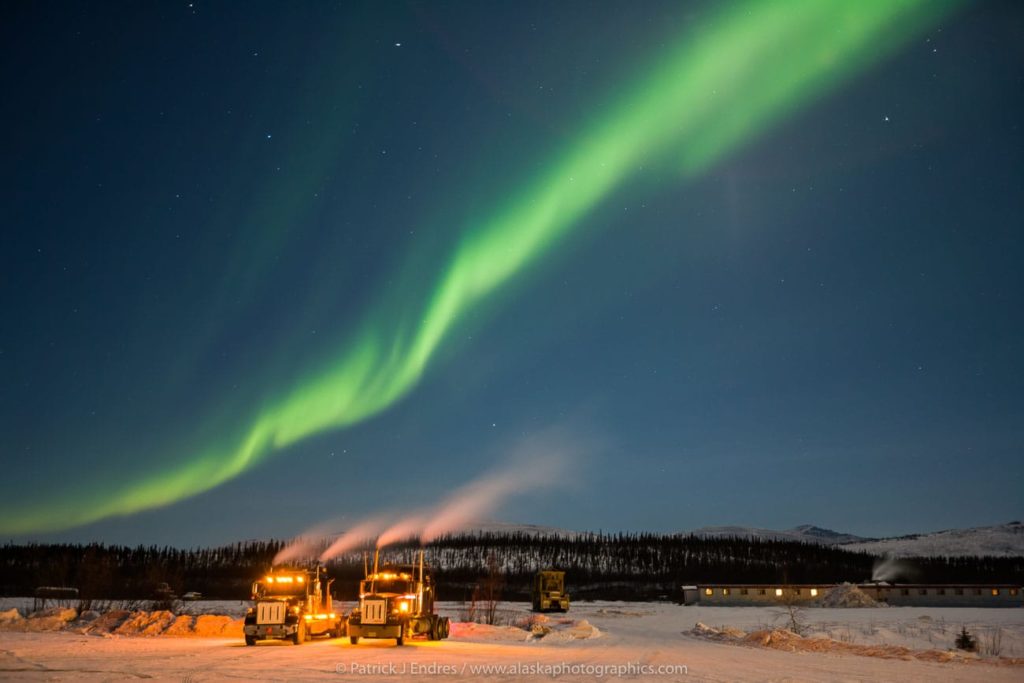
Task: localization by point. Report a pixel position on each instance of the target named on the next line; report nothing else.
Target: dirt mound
(848, 595)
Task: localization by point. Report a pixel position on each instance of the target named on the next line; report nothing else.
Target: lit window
(778, 592)
(708, 591)
(814, 592)
(1013, 591)
(995, 591)
(725, 591)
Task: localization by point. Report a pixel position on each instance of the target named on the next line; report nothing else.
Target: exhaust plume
(537, 463)
(361, 533)
(539, 466)
(404, 528)
(306, 545)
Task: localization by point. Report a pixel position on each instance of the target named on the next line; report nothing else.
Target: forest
(623, 566)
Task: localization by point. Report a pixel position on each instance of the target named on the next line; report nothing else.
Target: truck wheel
(250, 641)
(435, 628)
(446, 625)
(354, 640)
(400, 640)
(300, 633)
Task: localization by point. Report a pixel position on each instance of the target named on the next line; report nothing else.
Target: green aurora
(723, 83)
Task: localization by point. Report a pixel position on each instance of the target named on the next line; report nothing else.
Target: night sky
(266, 264)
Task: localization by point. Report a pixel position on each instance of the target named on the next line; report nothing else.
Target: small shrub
(965, 641)
(991, 643)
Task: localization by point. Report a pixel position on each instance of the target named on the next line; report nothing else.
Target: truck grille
(270, 612)
(375, 611)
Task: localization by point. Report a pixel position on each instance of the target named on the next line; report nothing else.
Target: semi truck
(548, 592)
(397, 601)
(292, 604)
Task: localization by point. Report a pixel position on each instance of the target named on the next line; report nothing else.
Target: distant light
(398, 45)
(814, 592)
(778, 592)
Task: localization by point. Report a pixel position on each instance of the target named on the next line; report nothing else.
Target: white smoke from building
(890, 569)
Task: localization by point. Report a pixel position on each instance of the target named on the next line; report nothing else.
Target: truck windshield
(401, 586)
(281, 589)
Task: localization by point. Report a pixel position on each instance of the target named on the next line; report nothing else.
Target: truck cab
(292, 604)
(397, 601)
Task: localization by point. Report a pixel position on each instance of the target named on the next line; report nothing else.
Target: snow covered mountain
(806, 533)
(1001, 540)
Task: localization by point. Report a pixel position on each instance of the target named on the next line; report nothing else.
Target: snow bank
(702, 630)
(54, 619)
(848, 595)
(10, 617)
(486, 633)
(145, 624)
(123, 623)
(782, 639)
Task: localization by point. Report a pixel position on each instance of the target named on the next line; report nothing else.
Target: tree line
(598, 566)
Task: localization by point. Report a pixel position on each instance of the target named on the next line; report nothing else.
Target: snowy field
(636, 641)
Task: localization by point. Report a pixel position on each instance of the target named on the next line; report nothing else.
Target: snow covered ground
(642, 641)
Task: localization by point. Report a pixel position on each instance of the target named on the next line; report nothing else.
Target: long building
(904, 594)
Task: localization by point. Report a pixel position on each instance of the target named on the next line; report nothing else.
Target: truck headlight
(403, 606)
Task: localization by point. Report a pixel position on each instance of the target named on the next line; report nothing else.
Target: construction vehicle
(292, 604)
(396, 601)
(548, 592)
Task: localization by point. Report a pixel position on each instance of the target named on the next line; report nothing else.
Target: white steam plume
(359, 534)
(309, 543)
(526, 474)
(407, 527)
(537, 463)
(889, 568)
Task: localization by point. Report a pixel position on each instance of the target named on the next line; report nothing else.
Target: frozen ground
(627, 635)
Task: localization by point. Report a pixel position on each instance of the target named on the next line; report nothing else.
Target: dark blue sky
(200, 203)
